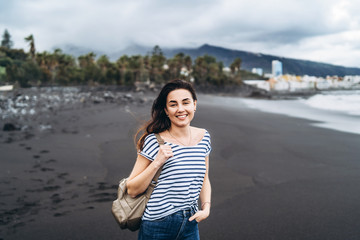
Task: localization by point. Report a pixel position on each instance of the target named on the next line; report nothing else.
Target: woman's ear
(166, 112)
(195, 103)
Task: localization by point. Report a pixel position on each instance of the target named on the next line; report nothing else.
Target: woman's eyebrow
(174, 101)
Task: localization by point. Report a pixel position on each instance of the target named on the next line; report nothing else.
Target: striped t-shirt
(181, 178)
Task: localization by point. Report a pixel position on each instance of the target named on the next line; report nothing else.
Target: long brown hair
(159, 121)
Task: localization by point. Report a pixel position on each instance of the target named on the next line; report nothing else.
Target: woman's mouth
(182, 117)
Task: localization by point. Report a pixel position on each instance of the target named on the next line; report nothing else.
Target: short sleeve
(207, 139)
(150, 148)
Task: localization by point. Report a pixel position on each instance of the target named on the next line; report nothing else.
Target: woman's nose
(181, 108)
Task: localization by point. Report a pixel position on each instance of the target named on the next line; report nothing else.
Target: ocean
(346, 102)
(337, 110)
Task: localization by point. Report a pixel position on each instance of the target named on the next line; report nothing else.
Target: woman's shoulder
(199, 134)
(150, 137)
(199, 131)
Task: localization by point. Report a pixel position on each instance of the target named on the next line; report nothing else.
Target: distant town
(277, 81)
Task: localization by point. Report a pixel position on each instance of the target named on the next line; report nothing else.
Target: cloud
(320, 30)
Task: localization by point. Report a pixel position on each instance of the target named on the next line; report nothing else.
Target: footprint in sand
(62, 175)
(50, 181)
(51, 188)
(61, 214)
(28, 135)
(56, 198)
(37, 180)
(45, 189)
(105, 186)
(51, 161)
(20, 224)
(45, 169)
(9, 140)
(44, 151)
(37, 165)
(103, 197)
(87, 208)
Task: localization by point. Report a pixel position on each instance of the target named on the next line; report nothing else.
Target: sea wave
(333, 110)
(342, 101)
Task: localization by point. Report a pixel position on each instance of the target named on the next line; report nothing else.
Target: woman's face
(180, 107)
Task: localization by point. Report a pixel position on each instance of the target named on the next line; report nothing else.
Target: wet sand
(273, 176)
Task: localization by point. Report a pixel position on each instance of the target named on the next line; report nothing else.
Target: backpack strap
(159, 139)
(161, 142)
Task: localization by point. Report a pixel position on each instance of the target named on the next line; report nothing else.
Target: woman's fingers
(166, 149)
(199, 216)
(195, 217)
(192, 217)
(164, 154)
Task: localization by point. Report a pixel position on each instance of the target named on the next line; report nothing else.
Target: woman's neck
(180, 131)
(181, 135)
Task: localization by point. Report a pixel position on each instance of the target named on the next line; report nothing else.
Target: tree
(157, 62)
(136, 66)
(45, 62)
(157, 51)
(15, 54)
(109, 72)
(90, 71)
(235, 65)
(235, 70)
(30, 39)
(6, 41)
(188, 62)
(208, 71)
(178, 67)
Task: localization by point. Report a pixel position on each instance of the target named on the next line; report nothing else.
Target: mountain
(131, 50)
(257, 60)
(249, 59)
(77, 51)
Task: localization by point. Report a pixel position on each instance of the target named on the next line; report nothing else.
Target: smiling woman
(172, 211)
(180, 107)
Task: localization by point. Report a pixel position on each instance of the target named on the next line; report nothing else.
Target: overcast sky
(319, 30)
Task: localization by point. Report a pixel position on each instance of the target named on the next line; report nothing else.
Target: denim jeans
(173, 227)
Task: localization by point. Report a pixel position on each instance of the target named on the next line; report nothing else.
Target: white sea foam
(334, 111)
(342, 101)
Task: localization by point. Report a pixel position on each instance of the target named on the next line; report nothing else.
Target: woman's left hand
(200, 215)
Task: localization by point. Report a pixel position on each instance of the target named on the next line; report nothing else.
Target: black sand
(273, 177)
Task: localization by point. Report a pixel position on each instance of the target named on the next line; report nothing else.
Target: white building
(258, 71)
(276, 68)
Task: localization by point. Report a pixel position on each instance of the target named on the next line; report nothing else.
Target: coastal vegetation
(31, 68)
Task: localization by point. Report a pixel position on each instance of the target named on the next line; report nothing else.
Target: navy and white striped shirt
(181, 178)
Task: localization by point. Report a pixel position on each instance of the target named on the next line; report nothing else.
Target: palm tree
(31, 41)
(235, 65)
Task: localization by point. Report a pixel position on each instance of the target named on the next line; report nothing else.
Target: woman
(172, 210)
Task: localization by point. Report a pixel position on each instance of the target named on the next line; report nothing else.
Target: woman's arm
(144, 171)
(205, 197)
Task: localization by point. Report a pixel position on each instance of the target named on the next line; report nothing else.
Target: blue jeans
(175, 226)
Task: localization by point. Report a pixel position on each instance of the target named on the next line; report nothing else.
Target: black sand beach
(273, 176)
